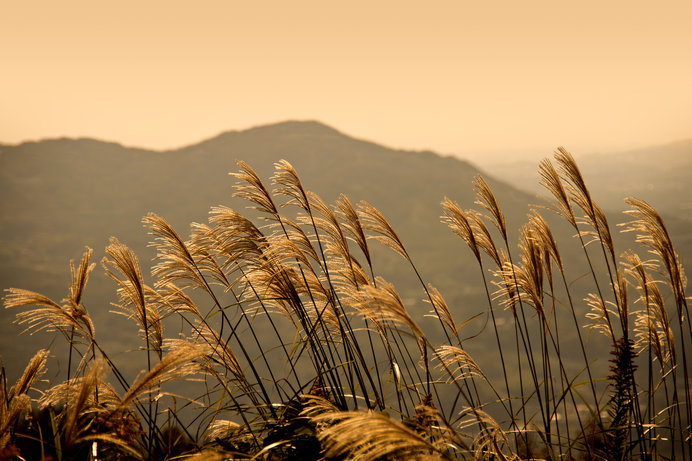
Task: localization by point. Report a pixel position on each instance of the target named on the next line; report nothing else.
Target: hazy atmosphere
(457, 77)
(404, 263)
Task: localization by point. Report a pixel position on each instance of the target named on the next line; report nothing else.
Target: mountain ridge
(315, 127)
(659, 174)
(57, 196)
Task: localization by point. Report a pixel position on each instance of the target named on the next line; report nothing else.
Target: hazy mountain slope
(60, 195)
(659, 174)
(57, 196)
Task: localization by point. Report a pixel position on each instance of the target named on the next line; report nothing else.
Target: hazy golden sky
(454, 76)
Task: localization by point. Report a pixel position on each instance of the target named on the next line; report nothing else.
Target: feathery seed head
(487, 200)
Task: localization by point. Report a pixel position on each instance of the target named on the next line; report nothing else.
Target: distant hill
(62, 194)
(659, 174)
(58, 195)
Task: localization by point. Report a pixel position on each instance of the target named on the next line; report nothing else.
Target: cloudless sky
(454, 76)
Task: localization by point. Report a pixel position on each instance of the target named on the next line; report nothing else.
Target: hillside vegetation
(310, 330)
(57, 196)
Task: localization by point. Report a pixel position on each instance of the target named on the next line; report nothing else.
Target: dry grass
(298, 350)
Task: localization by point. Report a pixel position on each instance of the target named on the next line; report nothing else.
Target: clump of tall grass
(298, 350)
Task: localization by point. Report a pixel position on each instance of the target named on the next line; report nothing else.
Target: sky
(514, 79)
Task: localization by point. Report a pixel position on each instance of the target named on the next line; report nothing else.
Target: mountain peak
(294, 128)
(301, 125)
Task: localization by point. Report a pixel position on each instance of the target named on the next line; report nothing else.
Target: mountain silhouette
(656, 173)
(59, 195)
